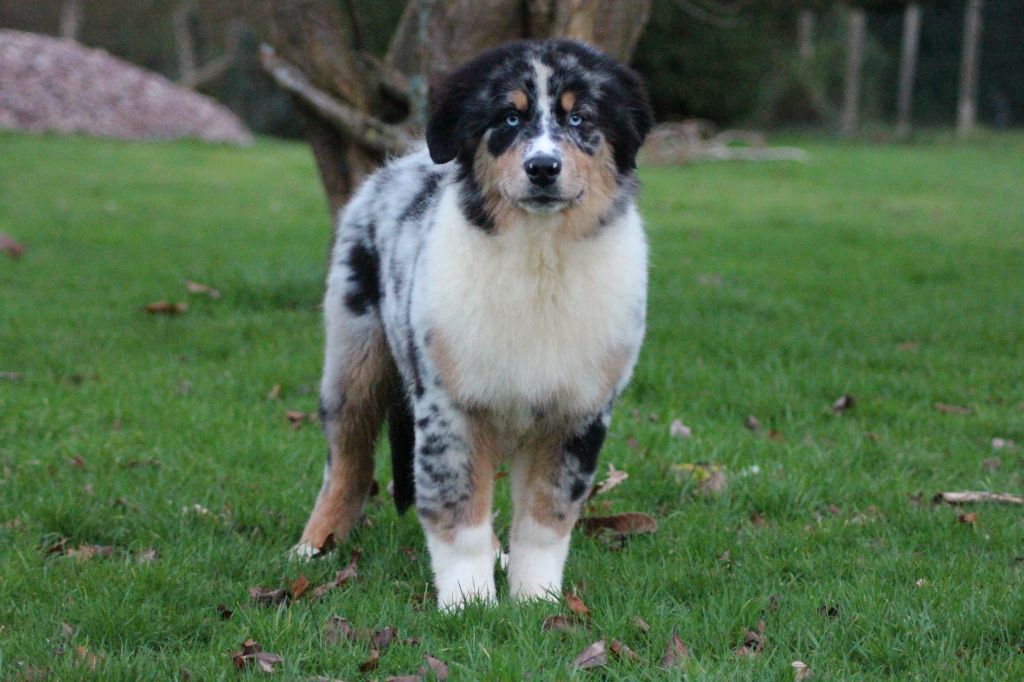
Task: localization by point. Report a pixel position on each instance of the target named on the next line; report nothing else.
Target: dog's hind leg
(359, 377)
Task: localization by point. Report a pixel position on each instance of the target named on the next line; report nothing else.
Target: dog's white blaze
(536, 559)
(463, 568)
(564, 307)
(543, 144)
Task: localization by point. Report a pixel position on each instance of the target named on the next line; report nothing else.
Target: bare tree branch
(364, 129)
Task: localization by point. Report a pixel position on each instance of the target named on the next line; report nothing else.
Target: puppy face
(539, 127)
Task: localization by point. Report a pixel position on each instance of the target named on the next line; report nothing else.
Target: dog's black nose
(542, 170)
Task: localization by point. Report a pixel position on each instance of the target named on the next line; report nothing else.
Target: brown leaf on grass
(968, 497)
(87, 658)
(752, 423)
(224, 612)
(87, 552)
(198, 288)
(591, 657)
(710, 478)
(775, 435)
(843, 403)
(78, 462)
(801, 671)
(436, 666)
(147, 556)
(676, 652)
(622, 651)
(166, 308)
(274, 393)
(295, 418)
(615, 477)
(952, 409)
(629, 523)
(641, 625)
(265, 596)
(969, 519)
(252, 656)
(10, 247)
(829, 611)
(299, 586)
(560, 623)
(382, 639)
(338, 629)
(371, 663)
(576, 605)
(757, 519)
(340, 578)
(60, 546)
(753, 642)
(906, 345)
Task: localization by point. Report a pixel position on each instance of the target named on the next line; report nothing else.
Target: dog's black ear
(444, 134)
(633, 119)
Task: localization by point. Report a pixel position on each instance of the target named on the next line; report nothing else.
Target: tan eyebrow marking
(519, 100)
(568, 100)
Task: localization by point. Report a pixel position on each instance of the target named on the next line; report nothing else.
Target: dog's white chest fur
(530, 320)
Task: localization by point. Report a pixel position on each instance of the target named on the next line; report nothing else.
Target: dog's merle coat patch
(490, 313)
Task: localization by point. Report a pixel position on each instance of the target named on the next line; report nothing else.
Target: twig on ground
(969, 497)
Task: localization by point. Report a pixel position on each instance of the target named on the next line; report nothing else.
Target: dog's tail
(402, 437)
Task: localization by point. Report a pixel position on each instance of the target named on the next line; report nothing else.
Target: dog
(486, 297)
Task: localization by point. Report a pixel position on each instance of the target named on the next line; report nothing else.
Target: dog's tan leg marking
(351, 425)
(542, 522)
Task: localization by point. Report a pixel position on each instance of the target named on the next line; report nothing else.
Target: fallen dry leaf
(622, 651)
(166, 308)
(801, 671)
(907, 345)
(969, 496)
(436, 666)
(679, 430)
(296, 418)
(274, 393)
(147, 556)
(752, 423)
(371, 663)
(591, 657)
(710, 478)
(753, 642)
(676, 652)
(78, 462)
(970, 518)
(10, 247)
(844, 403)
(382, 639)
(952, 409)
(757, 519)
(576, 605)
(627, 524)
(251, 655)
(87, 552)
(338, 629)
(615, 477)
(340, 578)
(560, 623)
(265, 596)
(828, 611)
(225, 612)
(197, 288)
(87, 658)
(641, 625)
(299, 586)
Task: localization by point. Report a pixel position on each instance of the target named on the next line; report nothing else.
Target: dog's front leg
(549, 485)
(454, 468)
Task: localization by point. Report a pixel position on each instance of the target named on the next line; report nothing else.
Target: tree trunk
(854, 62)
(908, 66)
(71, 19)
(967, 108)
(805, 33)
(360, 108)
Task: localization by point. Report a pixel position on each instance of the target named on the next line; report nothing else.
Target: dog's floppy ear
(444, 134)
(633, 118)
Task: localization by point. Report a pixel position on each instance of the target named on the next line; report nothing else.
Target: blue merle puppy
(486, 297)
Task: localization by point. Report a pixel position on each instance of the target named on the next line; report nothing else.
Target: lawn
(894, 274)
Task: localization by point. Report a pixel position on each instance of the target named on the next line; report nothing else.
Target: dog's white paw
(305, 552)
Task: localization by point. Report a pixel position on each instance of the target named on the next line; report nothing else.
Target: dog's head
(540, 127)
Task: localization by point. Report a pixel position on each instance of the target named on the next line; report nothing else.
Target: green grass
(775, 289)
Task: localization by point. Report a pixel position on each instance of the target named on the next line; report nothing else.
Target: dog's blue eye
(512, 120)
(575, 120)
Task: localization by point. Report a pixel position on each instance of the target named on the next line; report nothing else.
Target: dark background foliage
(734, 68)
